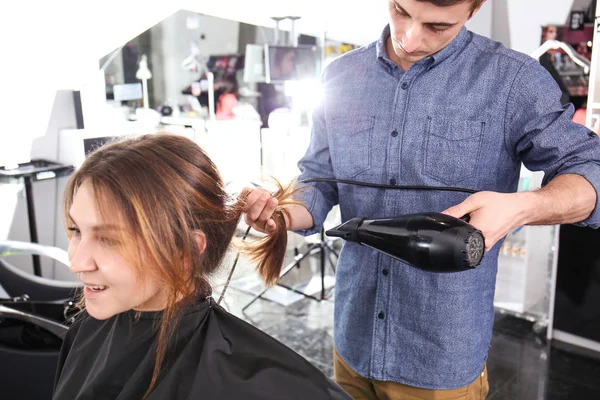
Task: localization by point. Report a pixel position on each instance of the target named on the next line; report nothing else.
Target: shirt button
(404, 86)
(393, 182)
(394, 133)
(381, 315)
(590, 133)
(386, 272)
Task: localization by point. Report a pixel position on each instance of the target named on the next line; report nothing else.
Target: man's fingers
(255, 211)
(462, 209)
(259, 208)
(267, 213)
(455, 211)
(271, 226)
(252, 195)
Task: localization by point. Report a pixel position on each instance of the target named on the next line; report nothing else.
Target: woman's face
(112, 284)
(287, 64)
(551, 33)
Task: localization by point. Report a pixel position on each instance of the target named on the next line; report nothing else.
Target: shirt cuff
(591, 172)
(310, 197)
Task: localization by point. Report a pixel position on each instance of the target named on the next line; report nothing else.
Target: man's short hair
(447, 3)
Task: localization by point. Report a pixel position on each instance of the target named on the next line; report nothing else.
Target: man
(433, 104)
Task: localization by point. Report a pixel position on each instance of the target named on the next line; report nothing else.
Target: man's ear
(477, 9)
(200, 239)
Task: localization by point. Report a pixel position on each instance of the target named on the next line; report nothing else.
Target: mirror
(183, 48)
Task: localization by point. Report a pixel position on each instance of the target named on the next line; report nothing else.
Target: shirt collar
(382, 55)
(454, 46)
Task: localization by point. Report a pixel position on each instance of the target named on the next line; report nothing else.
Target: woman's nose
(81, 258)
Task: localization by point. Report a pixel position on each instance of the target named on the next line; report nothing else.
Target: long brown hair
(163, 190)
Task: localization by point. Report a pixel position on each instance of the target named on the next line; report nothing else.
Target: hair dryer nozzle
(347, 231)
(429, 241)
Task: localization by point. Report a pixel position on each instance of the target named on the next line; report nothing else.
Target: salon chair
(29, 349)
(17, 283)
(33, 317)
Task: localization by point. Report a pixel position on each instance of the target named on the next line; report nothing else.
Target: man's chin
(409, 53)
(414, 55)
(412, 59)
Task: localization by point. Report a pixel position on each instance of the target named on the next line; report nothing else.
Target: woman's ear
(200, 239)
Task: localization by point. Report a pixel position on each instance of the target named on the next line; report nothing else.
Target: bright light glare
(306, 94)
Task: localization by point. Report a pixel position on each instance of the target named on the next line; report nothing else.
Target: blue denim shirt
(464, 117)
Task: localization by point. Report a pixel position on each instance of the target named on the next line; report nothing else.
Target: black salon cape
(216, 356)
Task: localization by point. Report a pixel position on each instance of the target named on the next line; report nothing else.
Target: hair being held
(165, 193)
(268, 253)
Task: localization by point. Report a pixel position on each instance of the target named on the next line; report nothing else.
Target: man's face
(420, 29)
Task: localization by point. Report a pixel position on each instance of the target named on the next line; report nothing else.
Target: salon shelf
(35, 170)
(27, 173)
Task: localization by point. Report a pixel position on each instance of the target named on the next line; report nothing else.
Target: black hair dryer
(429, 241)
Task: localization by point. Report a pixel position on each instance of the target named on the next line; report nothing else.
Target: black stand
(325, 249)
(36, 170)
(37, 266)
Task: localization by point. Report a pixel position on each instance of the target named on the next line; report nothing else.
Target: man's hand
(494, 214)
(260, 205)
(566, 199)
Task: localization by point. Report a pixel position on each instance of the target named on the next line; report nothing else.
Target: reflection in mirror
(185, 48)
(180, 51)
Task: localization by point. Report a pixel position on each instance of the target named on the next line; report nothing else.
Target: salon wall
(54, 45)
(481, 23)
(517, 23)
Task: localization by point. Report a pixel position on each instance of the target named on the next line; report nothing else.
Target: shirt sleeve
(318, 197)
(539, 131)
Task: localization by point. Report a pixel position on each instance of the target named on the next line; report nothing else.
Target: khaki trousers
(361, 388)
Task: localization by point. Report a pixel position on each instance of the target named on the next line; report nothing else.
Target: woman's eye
(74, 231)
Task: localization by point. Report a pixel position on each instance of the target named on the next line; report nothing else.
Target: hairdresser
(433, 104)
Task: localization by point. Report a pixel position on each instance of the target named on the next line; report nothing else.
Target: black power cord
(355, 183)
(386, 186)
(237, 257)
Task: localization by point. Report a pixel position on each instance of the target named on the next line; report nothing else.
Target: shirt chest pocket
(452, 149)
(350, 145)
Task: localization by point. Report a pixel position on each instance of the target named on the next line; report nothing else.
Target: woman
(149, 220)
